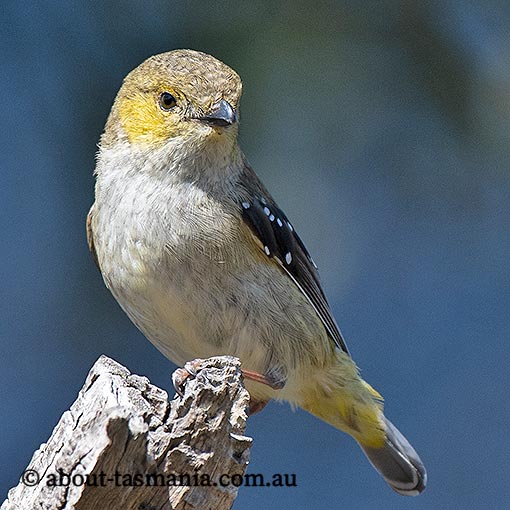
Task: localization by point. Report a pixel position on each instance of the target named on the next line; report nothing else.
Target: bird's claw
(180, 375)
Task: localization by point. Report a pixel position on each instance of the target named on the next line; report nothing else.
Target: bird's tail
(341, 398)
(398, 463)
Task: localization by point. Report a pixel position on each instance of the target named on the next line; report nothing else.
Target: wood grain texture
(121, 426)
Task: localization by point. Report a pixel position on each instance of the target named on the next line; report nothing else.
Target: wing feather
(281, 243)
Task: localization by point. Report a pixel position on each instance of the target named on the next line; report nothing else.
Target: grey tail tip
(398, 463)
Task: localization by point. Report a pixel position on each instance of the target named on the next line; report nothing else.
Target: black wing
(281, 242)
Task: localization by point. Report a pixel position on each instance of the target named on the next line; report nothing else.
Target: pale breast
(184, 271)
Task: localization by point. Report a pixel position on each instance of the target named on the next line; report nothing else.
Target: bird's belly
(197, 290)
(187, 318)
(196, 308)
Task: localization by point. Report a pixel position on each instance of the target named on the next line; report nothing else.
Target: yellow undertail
(339, 396)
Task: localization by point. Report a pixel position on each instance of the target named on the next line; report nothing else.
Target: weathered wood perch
(123, 446)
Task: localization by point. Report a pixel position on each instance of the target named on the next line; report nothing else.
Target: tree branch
(123, 446)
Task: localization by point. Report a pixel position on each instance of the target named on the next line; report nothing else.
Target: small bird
(204, 262)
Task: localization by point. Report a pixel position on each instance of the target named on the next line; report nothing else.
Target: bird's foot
(191, 368)
(180, 376)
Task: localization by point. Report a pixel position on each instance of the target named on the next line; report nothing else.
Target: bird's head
(179, 97)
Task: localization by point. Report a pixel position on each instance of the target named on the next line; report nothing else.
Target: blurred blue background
(381, 127)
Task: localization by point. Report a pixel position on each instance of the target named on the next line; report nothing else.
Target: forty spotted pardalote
(204, 262)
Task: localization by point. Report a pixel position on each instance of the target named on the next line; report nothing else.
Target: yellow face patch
(143, 120)
(196, 81)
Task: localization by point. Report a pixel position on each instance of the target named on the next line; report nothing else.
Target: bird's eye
(167, 101)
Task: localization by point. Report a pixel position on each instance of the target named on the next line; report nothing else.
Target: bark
(123, 445)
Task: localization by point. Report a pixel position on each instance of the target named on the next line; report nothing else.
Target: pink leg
(255, 376)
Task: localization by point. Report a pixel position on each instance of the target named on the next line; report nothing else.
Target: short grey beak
(221, 114)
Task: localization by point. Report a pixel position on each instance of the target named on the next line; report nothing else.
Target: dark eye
(167, 101)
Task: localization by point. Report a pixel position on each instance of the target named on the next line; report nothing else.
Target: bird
(204, 262)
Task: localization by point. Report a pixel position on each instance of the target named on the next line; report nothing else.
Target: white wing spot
(290, 227)
(266, 249)
(271, 217)
(245, 205)
(288, 258)
(267, 211)
(279, 221)
(263, 200)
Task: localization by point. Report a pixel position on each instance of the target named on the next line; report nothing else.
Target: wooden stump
(123, 445)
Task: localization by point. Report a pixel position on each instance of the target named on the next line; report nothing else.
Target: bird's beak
(221, 114)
